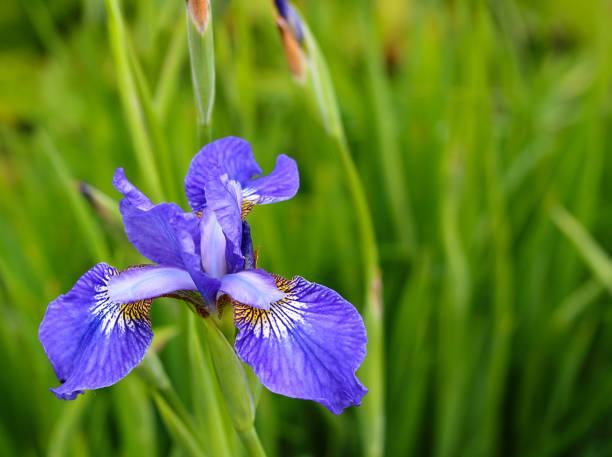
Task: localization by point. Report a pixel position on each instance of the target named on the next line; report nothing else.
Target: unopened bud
(296, 60)
(104, 205)
(200, 12)
(291, 16)
(291, 29)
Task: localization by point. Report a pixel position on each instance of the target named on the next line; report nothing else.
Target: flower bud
(199, 10)
(292, 33)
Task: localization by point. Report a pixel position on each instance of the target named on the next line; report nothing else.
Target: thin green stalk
(154, 374)
(177, 427)
(66, 427)
(204, 393)
(153, 121)
(231, 376)
(251, 442)
(132, 405)
(42, 22)
(202, 61)
(170, 407)
(364, 220)
(235, 388)
(372, 413)
(595, 257)
(453, 316)
(574, 305)
(502, 274)
(388, 146)
(168, 79)
(90, 229)
(243, 68)
(131, 102)
(499, 358)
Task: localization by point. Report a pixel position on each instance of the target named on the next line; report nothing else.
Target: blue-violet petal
(130, 191)
(212, 245)
(282, 184)
(230, 156)
(307, 346)
(254, 287)
(91, 341)
(247, 247)
(207, 285)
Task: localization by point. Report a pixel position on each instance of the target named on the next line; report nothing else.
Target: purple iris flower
(302, 339)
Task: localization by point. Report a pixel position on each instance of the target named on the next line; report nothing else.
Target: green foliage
(480, 131)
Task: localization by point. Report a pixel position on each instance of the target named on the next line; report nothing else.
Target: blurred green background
(481, 131)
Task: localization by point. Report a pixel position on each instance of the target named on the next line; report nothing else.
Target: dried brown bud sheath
(200, 10)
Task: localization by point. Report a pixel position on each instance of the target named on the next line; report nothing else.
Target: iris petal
(145, 282)
(224, 198)
(212, 245)
(154, 233)
(131, 192)
(153, 229)
(282, 184)
(255, 287)
(307, 346)
(92, 340)
(206, 285)
(219, 178)
(229, 156)
(247, 247)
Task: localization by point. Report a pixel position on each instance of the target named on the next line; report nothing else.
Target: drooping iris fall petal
(307, 345)
(100, 330)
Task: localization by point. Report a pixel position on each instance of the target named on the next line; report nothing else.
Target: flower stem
(372, 413)
(251, 442)
(391, 159)
(202, 62)
(366, 227)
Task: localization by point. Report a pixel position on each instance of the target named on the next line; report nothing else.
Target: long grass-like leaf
(132, 104)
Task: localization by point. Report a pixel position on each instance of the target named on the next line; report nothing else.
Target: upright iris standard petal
(213, 245)
(92, 339)
(230, 156)
(207, 285)
(282, 184)
(153, 229)
(220, 177)
(255, 287)
(225, 200)
(307, 346)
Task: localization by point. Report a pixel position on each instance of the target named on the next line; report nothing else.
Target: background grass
(481, 131)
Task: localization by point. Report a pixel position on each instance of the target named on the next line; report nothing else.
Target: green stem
(202, 63)
(153, 122)
(391, 159)
(364, 221)
(251, 442)
(231, 377)
(372, 413)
